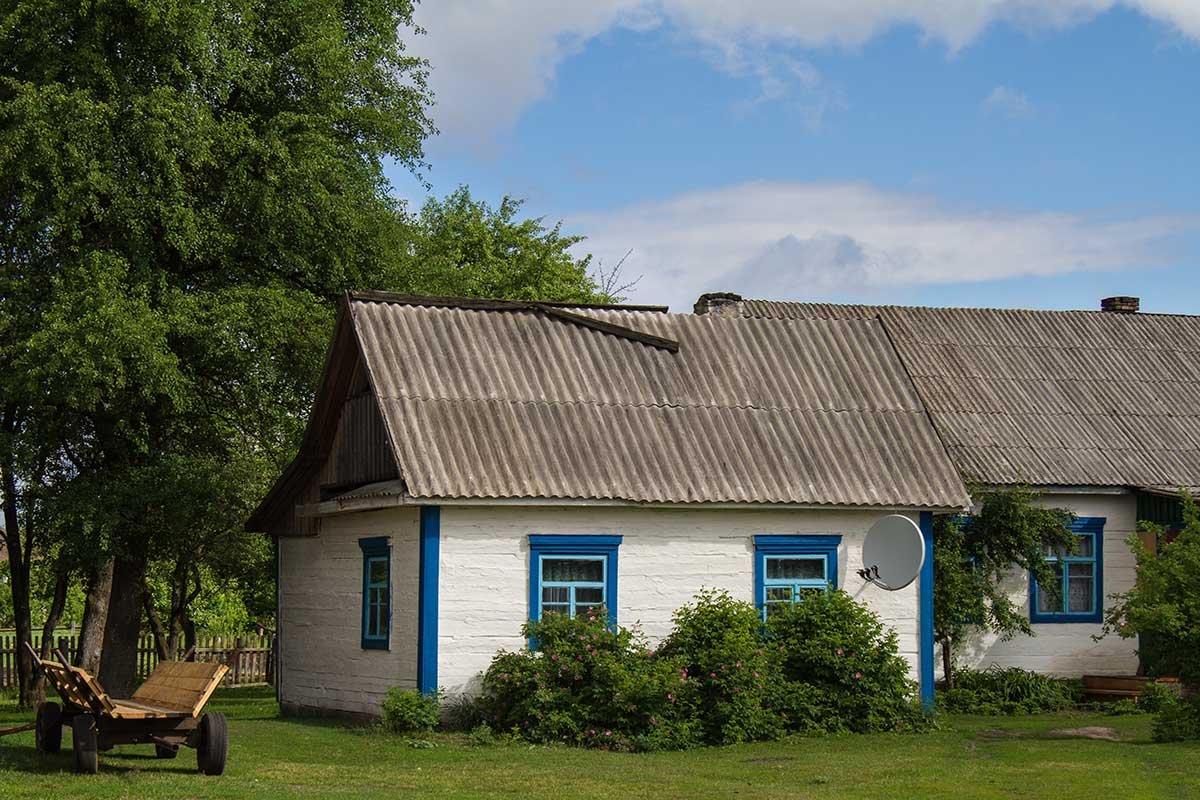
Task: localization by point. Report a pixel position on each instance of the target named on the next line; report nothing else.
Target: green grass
(971, 757)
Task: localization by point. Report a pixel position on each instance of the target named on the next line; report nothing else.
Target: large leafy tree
(185, 189)
(975, 558)
(169, 171)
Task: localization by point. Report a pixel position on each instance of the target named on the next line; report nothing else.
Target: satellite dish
(893, 553)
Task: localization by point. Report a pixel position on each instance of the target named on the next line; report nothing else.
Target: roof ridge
(487, 303)
(1022, 310)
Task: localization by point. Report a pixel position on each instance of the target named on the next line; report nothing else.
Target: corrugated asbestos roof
(1077, 398)
(516, 402)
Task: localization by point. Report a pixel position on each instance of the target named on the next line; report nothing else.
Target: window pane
(380, 620)
(582, 609)
(796, 568)
(588, 594)
(556, 594)
(1049, 595)
(568, 570)
(378, 570)
(779, 594)
(1086, 547)
(555, 608)
(1080, 587)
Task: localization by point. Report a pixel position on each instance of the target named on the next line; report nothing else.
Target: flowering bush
(840, 668)
(589, 685)
(718, 640)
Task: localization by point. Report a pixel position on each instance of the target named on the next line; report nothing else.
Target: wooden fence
(251, 658)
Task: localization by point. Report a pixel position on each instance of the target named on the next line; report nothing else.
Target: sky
(1016, 153)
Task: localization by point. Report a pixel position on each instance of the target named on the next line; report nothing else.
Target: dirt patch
(1088, 732)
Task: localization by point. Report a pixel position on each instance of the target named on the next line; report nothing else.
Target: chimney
(1120, 305)
(714, 301)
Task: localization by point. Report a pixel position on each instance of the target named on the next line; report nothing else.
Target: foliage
(1156, 696)
(460, 246)
(840, 668)
(463, 713)
(589, 685)
(1000, 691)
(1178, 720)
(409, 711)
(973, 557)
(718, 641)
(1164, 603)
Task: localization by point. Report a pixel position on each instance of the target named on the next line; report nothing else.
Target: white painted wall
(322, 663)
(1067, 649)
(665, 557)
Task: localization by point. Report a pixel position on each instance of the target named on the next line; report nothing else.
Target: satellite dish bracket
(871, 575)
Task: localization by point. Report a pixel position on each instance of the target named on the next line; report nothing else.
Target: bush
(462, 713)
(1178, 720)
(409, 711)
(841, 669)
(1157, 696)
(588, 685)
(718, 640)
(1001, 692)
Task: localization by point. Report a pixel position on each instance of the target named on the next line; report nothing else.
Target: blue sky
(967, 152)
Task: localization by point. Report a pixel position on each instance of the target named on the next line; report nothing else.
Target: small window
(573, 575)
(788, 567)
(1077, 594)
(376, 594)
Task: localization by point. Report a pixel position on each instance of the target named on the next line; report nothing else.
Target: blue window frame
(785, 567)
(572, 574)
(1080, 589)
(376, 593)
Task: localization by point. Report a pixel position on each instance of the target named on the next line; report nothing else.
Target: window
(572, 575)
(377, 593)
(1078, 592)
(786, 567)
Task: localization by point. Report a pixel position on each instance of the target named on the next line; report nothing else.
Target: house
(470, 464)
(1099, 410)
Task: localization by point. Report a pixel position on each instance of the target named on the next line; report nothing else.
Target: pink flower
(608, 733)
(738, 665)
(653, 721)
(712, 674)
(858, 676)
(839, 651)
(554, 656)
(756, 673)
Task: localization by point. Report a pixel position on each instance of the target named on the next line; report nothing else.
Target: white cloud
(494, 58)
(797, 240)
(1005, 102)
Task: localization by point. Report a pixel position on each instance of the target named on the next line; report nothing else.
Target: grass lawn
(971, 757)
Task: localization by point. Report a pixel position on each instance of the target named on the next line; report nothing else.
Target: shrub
(851, 674)
(589, 685)
(999, 692)
(1156, 696)
(409, 711)
(1178, 720)
(718, 640)
(462, 713)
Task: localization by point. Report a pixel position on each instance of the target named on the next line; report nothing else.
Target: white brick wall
(666, 556)
(1067, 649)
(322, 663)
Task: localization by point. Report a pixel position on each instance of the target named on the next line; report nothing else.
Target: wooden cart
(164, 711)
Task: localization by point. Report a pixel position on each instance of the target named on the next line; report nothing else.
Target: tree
(974, 556)
(1164, 604)
(463, 247)
(155, 152)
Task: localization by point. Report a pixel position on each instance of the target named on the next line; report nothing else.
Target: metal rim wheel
(163, 751)
(214, 744)
(83, 734)
(48, 728)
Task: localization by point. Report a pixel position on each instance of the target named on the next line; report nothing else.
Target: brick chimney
(713, 301)
(1120, 305)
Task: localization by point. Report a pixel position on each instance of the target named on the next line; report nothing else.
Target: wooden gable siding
(361, 452)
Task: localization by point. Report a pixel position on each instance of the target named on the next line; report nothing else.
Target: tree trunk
(58, 602)
(95, 614)
(161, 635)
(18, 563)
(948, 664)
(118, 661)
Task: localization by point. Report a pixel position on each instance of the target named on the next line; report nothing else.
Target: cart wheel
(214, 744)
(162, 751)
(83, 732)
(48, 731)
